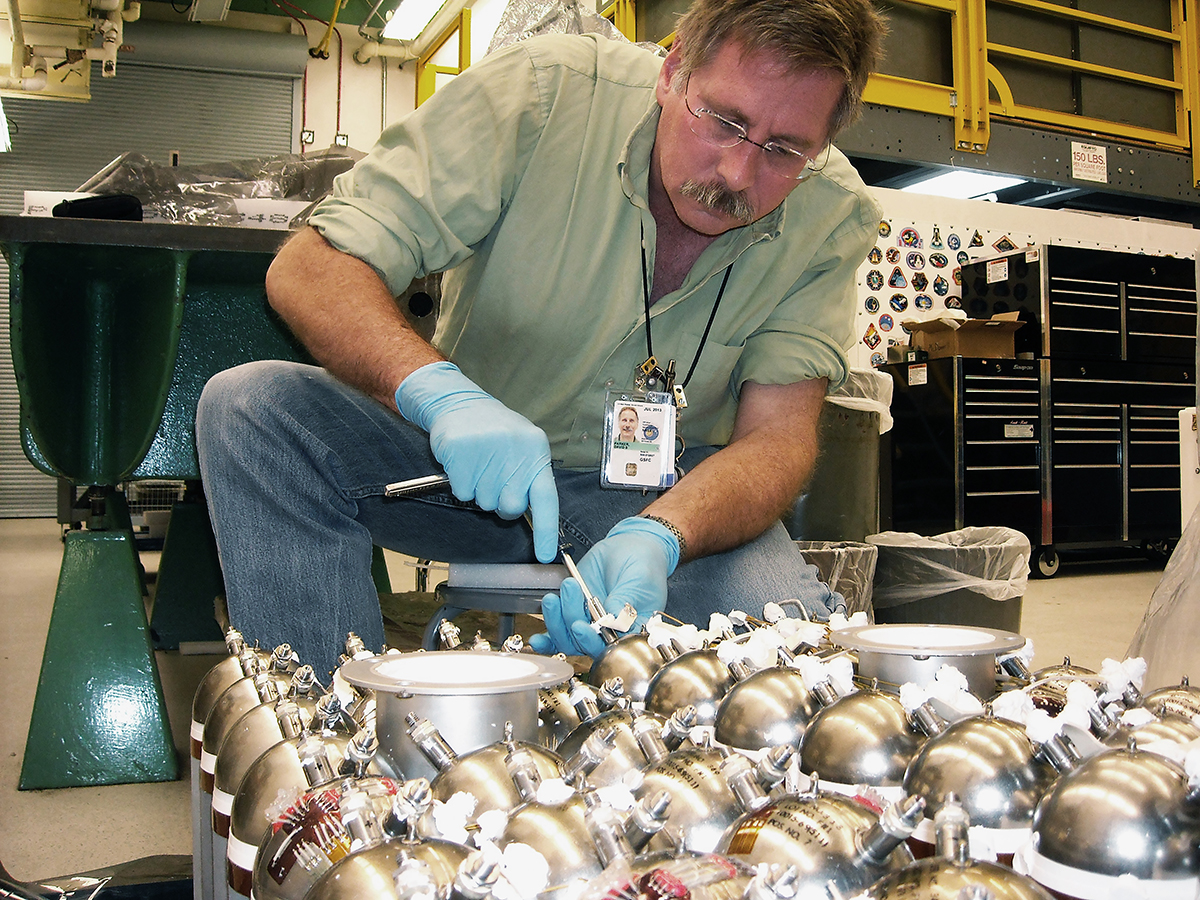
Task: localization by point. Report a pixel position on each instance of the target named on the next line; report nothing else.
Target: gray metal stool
(508, 589)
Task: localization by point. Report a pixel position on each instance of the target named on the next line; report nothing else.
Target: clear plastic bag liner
(868, 389)
(523, 19)
(991, 561)
(848, 567)
(205, 193)
(1166, 637)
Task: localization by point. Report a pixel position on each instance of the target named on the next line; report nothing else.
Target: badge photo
(639, 441)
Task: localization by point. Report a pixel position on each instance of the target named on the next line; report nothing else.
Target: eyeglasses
(715, 129)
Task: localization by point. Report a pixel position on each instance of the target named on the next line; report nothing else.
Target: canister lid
(456, 672)
(928, 639)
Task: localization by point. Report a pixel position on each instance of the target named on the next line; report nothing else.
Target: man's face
(771, 102)
(628, 422)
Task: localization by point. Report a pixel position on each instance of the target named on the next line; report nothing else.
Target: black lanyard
(711, 316)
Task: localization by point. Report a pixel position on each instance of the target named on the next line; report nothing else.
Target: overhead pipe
(112, 30)
(111, 27)
(21, 57)
(414, 49)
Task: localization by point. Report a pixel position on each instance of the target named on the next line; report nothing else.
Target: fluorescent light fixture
(963, 185)
(409, 19)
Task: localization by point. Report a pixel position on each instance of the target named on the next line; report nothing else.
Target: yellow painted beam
(997, 80)
(1191, 92)
(1071, 122)
(1075, 15)
(427, 72)
(949, 6)
(907, 93)
(971, 114)
(1075, 65)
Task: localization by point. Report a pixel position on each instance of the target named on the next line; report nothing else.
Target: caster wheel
(1047, 562)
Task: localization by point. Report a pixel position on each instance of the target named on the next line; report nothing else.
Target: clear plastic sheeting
(987, 560)
(1166, 637)
(848, 567)
(208, 193)
(523, 19)
(867, 389)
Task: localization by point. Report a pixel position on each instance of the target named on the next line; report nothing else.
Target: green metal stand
(99, 715)
(379, 572)
(189, 580)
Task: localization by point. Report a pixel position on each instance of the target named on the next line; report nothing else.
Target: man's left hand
(630, 565)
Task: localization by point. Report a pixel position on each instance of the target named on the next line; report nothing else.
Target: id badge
(639, 440)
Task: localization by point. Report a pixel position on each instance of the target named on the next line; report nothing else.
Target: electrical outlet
(341, 140)
(307, 136)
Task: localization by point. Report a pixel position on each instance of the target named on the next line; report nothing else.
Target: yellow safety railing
(622, 14)
(428, 71)
(980, 90)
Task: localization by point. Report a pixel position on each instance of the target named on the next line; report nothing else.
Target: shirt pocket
(709, 395)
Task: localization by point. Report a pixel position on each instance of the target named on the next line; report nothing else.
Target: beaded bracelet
(674, 529)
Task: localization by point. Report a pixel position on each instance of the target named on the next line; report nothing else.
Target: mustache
(720, 199)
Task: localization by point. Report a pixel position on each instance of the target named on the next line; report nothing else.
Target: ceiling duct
(215, 48)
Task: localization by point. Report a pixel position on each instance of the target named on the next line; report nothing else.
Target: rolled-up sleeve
(437, 182)
(809, 332)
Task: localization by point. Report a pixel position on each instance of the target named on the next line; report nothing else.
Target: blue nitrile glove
(631, 565)
(492, 455)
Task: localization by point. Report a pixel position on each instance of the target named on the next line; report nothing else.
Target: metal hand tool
(595, 608)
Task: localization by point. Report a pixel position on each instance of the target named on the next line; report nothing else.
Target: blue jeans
(294, 465)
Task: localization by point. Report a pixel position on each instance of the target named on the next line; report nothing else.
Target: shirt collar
(633, 165)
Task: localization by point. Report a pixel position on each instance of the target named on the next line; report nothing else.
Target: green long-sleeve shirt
(525, 179)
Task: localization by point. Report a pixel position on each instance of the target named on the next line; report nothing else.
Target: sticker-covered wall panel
(914, 271)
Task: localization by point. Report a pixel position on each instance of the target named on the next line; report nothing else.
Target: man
(596, 210)
(627, 424)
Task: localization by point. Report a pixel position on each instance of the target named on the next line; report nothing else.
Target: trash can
(841, 500)
(973, 576)
(848, 567)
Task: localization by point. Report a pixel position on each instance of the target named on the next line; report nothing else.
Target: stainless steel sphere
(770, 708)
(1048, 688)
(559, 832)
(484, 775)
(821, 835)
(1181, 700)
(557, 716)
(941, 879)
(237, 700)
(624, 754)
(633, 660)
(311, 836)
(252, 735)
(214, 684)
(1176, 729)
(1121, 812)
(703, 804)
(696, 678)
(271, 783)
(368, 874)
(990, 764)
(862, 738)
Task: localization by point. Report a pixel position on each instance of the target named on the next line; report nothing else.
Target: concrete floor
(1089, 611)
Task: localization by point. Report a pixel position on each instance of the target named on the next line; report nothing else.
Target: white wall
(377, 93)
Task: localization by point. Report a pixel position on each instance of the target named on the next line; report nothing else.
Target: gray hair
(840, 36)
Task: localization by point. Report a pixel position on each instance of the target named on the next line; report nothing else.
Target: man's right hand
(492, 455)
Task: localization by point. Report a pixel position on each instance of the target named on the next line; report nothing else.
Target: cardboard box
(985, 338)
